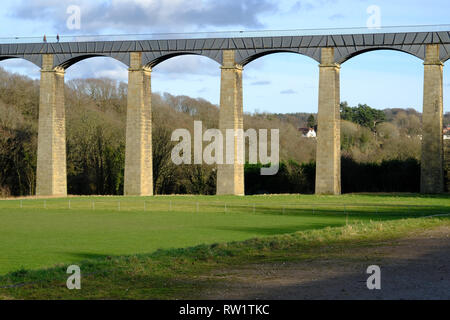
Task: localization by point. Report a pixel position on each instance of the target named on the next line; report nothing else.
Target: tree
(346, 112)
(201, 179)
(363, 115)
(163, 167)
(311, 121)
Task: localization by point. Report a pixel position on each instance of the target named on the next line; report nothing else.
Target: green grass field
(36, 234)
(164, 247)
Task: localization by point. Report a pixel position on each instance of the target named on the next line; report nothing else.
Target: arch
(36, 62)
(192, 75)
(152, 61)
(251, 58)
(445, 53)
(420, 54)
(277, 83)
(389, 79)
(68, 62)
(287, 82)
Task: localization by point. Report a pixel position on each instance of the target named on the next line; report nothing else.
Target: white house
(308, 132)
(447, 133)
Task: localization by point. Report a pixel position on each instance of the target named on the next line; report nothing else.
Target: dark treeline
(380, 149)
(292, 177)
(387, 176)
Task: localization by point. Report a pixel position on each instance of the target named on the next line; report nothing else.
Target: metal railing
(227, 34)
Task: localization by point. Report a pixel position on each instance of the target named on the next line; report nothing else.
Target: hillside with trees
(96, 117)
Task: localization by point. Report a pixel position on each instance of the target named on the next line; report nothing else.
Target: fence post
(21, 205)
(119, 205)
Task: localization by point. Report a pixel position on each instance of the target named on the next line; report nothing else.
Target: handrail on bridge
(228, 34)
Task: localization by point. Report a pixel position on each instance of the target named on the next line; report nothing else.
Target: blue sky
(275, 83)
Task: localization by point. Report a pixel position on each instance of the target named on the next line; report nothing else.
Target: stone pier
(328, 156)
(432, 175)
(230, 177)
(138, 154)
(51, 176)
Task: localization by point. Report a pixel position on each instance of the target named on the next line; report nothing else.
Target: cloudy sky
(275, 83)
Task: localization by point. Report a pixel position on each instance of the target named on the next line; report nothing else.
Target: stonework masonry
(51, 159)
(328, 171)
(432, 175)
(138, 154)
(230, 178)
(51, 175)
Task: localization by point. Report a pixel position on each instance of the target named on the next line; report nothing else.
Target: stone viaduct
(330, 51)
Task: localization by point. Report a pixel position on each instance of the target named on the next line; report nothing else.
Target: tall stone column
(328, 162)
(138, 154)
(51, 176)
(230, 177)
(432, 175)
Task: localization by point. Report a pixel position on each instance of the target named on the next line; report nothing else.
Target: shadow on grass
(372, 212)
(280, 230)
(442, 196)
(88, 255)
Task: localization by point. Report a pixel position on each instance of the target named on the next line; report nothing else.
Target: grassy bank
(183, 273)
(40, 233)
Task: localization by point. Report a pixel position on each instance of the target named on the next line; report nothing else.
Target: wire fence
(203, 206)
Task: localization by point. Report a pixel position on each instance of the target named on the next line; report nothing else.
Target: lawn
(38, 234)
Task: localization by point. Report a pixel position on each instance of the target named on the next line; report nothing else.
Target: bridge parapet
(247, 49)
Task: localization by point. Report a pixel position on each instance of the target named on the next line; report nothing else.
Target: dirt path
(417, 267)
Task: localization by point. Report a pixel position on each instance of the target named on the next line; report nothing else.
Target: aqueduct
(232, 54)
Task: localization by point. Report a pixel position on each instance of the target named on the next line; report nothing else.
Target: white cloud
(261, 83)
(289, 91)
(126, 16)
(189, 64)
